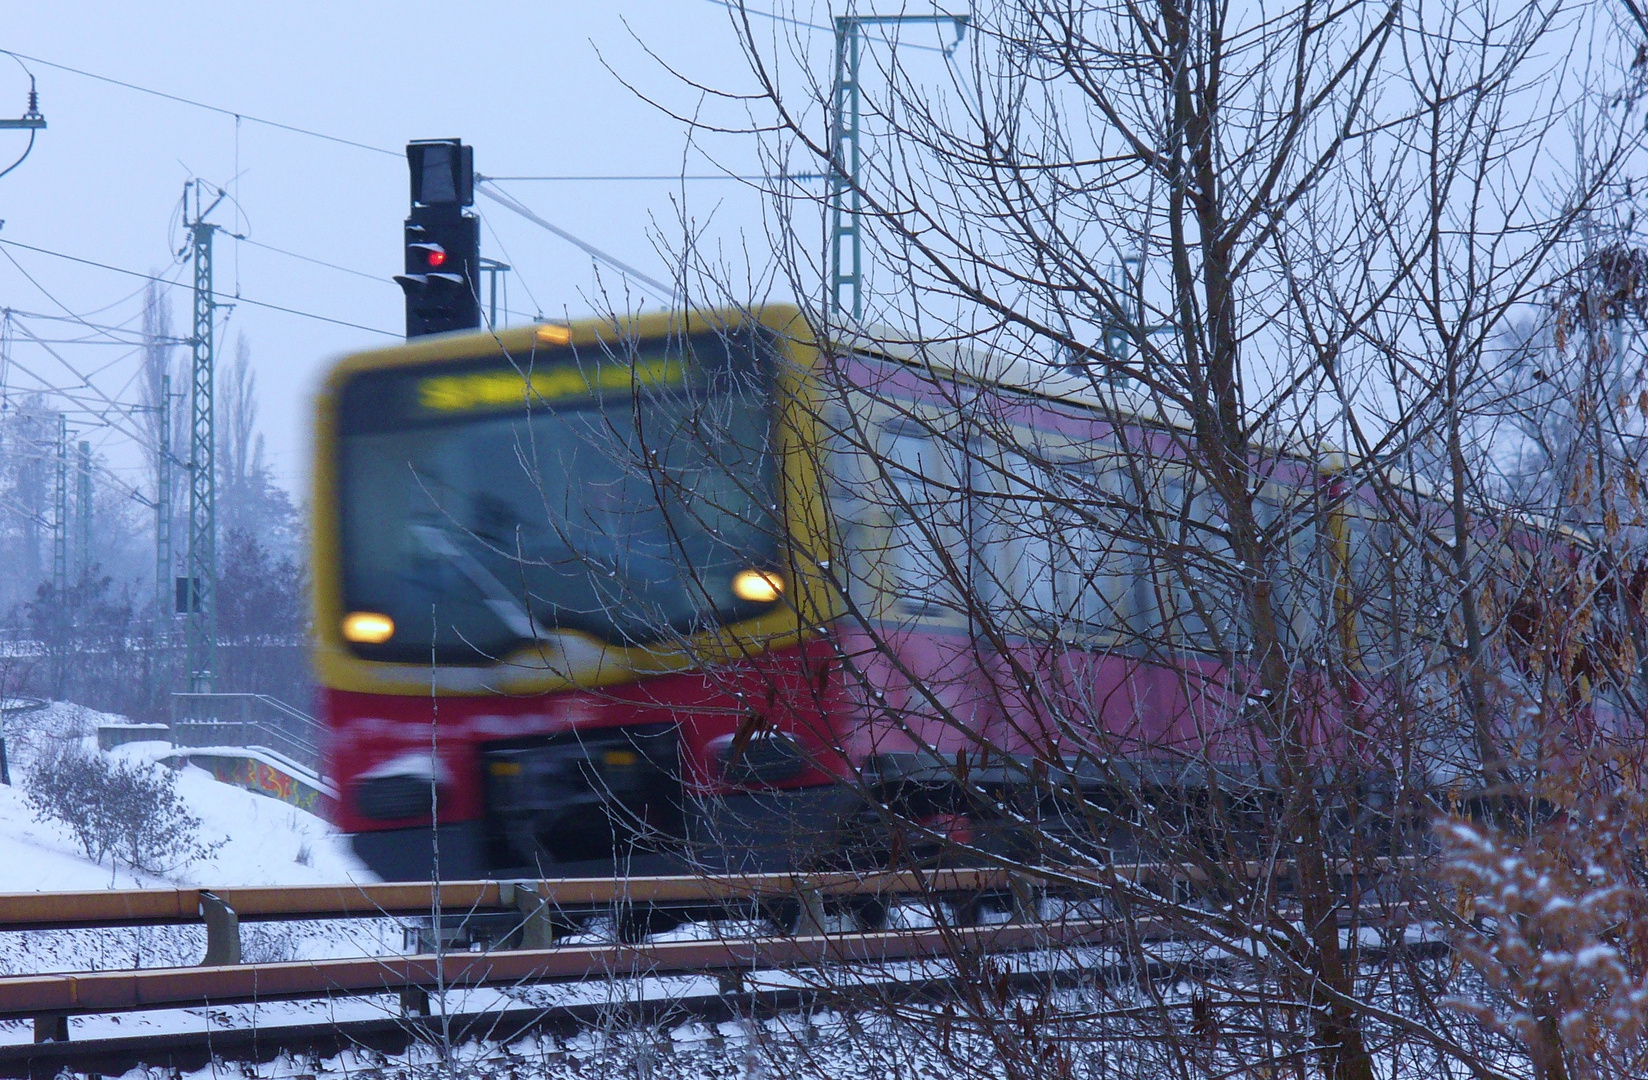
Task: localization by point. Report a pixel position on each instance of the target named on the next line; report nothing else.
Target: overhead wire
(84, 377)
(73, 315)
(47, 451)
(737, 7)
(311, 259)
(123, 344)
(663, 292)
(203, 105)
(101, 416)
(124, 410)
(665, 177)
(103, 334)
(529, 295)
(491, 190)
(241, 300)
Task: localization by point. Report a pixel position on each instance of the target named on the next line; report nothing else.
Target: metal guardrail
(161, 907)
(222, 980)
(533, 902)
(38, 996)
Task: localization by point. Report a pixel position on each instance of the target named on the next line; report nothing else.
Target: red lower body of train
(780, 762)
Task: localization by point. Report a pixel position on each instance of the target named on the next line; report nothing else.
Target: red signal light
(436, 257)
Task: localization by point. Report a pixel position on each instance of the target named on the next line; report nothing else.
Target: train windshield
(620, 491)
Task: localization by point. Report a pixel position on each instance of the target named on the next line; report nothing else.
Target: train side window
(853, 511)
(1302, 575)
(925, 521)
(1371, 596)
(1050, 546)
(1132, 575)
(995, 494)
(1100, 563)
(1121, 595)
(1192, 566)
(1022, 554)
(1046, 557)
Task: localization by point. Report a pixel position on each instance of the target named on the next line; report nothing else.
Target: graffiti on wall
(263, 778)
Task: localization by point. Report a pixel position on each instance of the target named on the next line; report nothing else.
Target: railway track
(754, 975)
(393, 1035)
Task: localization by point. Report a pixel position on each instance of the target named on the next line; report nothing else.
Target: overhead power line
(237, 300)
(739, 8)
(667, 177)
(122, 344)
(201, 104)
(103, 330)
(311, 259)
(124, 411)
(357, 144)
(484, 186)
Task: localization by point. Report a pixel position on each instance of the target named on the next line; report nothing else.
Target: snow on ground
(256, 840)
(263, 841)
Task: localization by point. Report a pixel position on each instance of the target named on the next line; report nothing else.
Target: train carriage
(702, 591)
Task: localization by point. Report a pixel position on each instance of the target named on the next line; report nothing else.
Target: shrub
(126, 810)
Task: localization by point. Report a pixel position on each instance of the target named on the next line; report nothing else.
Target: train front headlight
(757, 586)
(368, 627)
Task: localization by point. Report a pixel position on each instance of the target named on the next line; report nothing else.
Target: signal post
(443, 240)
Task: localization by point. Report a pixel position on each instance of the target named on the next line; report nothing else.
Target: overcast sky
(524, 83)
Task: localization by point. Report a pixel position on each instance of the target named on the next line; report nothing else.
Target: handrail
(51, 998)
(289, 731)
(274, 703)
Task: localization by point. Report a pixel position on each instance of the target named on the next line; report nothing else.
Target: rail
(23, 996)
(222, 980)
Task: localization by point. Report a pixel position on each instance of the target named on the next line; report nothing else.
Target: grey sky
(522, 82)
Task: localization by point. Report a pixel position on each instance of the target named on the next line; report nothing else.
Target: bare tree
(251, 501)
(1245, 238)
(159, 365)
(1150, 527)
(30, 446)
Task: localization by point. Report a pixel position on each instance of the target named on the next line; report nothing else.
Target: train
(711, 590)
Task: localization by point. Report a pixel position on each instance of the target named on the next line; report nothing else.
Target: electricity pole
(32, 122)
(492, 268)
(200, 588)
(60, 513)
(163, 516)
(83, 511)
(846, 196)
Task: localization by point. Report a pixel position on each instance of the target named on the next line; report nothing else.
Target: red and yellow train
(697, 590)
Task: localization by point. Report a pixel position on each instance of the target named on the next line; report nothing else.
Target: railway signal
(443, 242)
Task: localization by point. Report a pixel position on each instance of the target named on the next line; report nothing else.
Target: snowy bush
(1561, 933)
(128, 811)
